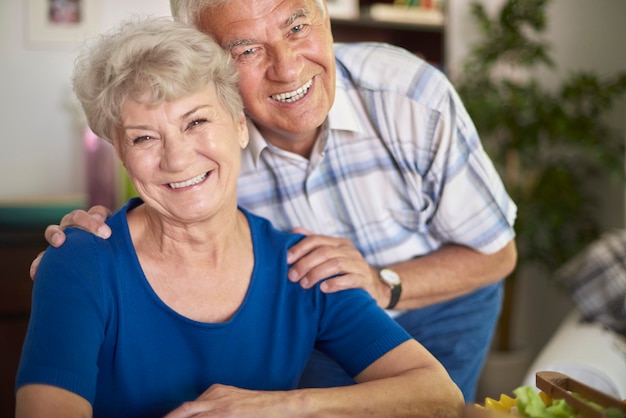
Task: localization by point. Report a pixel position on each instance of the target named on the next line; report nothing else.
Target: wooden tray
(561, 386)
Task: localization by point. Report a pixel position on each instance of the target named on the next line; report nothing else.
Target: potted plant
(547, 142)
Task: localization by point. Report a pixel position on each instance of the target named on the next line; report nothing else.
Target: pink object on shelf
(101, 169)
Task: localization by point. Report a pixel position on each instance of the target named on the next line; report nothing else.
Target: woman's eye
(141, 139)
(196, 122)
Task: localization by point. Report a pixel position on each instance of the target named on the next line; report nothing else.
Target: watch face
(390, 276)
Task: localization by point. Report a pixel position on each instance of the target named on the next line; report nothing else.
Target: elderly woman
(187, 308)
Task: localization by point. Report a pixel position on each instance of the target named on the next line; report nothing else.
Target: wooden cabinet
(18, 248)
(422, 39)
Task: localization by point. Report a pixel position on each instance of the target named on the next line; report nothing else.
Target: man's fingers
(54, 235)
(343, 282)
(311, 243)
(92, 222)
(100, 212)
(301, 230)
(34, 265)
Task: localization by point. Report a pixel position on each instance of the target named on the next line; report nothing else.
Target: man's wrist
(392, 280)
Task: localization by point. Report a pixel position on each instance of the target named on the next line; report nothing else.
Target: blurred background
(44, 147)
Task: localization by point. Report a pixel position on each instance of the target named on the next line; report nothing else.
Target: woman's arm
(35, 401)
(406, 382)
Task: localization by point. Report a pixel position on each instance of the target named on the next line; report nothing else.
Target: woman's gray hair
(190, 11)
(151, 60)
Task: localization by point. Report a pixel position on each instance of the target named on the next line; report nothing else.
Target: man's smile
(292, 96)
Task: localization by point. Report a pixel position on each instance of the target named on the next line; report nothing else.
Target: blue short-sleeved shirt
(98, 329)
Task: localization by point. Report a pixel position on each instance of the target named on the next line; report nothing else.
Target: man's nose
(285, 64)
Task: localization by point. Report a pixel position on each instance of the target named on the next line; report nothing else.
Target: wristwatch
(391, 279)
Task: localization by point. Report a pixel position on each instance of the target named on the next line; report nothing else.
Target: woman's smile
(191, 182)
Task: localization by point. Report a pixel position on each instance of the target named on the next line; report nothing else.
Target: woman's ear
(242, 125)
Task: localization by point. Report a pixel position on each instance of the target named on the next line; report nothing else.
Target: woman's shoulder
(263, 229)
(80, 244)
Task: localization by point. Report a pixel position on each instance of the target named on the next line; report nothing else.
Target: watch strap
(396, 290)
(391, 279)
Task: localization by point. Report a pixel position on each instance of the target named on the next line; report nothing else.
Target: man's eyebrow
(296, 15)
(237, 42)
(300, 13)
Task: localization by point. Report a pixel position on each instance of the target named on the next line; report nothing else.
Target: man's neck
(297, 143)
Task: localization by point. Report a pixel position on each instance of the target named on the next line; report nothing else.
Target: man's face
(283, 50)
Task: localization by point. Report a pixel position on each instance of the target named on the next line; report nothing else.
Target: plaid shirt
(596, 280)
(398, 169)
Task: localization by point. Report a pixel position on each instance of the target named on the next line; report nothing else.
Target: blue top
(98, 329)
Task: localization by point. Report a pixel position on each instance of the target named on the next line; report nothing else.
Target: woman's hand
(228, 401)
(91, 221)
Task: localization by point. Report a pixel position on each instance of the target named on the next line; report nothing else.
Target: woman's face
(183, 156)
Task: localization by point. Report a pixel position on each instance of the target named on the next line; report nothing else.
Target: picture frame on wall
(343, 9)
(51, 23)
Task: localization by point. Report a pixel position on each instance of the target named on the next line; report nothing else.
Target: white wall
(40, 146)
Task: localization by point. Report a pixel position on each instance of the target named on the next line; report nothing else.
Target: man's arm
(447, 273)
(91, 221)
(450, 272)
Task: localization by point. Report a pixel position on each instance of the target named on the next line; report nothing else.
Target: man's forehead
(280, 13)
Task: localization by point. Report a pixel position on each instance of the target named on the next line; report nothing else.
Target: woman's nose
(177, 154)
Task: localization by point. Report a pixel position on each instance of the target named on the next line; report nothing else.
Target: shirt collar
(257, 143)
(342, 115)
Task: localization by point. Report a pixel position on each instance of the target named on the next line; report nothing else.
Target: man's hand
(91, 221)
(318, 257)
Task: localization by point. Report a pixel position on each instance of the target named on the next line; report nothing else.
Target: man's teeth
(189, 182)
(292, 96)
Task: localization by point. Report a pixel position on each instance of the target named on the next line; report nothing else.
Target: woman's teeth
(292, 96)
(189, 182)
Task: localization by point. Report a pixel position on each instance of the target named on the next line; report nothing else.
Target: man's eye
(244, 53)
(297, 28)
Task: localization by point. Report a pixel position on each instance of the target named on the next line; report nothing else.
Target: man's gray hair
(189, 11)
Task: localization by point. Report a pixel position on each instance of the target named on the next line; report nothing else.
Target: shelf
(365, 19)
(408, 15)
(426, 40)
